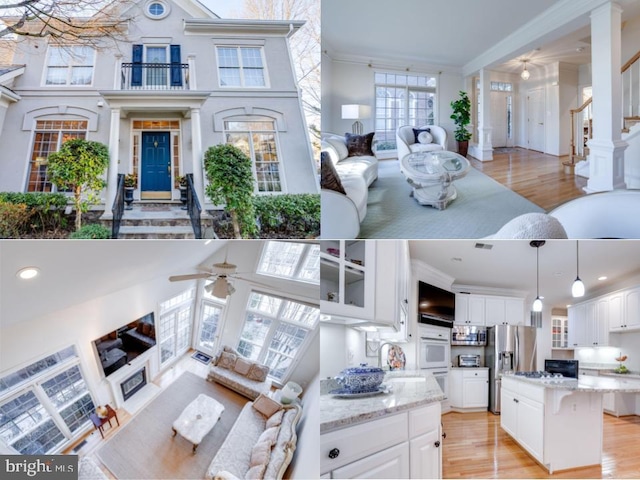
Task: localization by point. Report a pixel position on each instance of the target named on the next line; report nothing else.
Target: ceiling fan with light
(222, 275)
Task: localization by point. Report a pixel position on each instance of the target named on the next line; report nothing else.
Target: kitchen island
(390, 435)
(559, 421)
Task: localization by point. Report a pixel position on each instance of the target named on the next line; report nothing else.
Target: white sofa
(233, 458)
(406, 140)
(225, 372)
(365, 166)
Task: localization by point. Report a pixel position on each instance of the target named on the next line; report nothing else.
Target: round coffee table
(431, 174)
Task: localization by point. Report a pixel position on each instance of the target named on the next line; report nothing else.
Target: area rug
(145, 448)
(202, 357)
(482, 207)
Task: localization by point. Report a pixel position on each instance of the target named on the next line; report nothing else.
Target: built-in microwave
(468, 335)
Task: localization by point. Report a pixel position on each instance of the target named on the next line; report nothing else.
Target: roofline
(19, 70)
(6, 92)
(243, 26)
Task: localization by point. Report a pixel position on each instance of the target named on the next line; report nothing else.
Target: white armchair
(406, 140)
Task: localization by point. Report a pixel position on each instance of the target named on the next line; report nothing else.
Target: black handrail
(154, 76)
(118, 207)
(193, 206)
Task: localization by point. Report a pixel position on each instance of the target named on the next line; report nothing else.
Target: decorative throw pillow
(425, 137)
(258, 372)
(266, 406)
(227, 360)
(270, 435)
(359, 145)
(418, 131)
(224, 475)
(329, 178)
(242, 366)
(260, 454)
(255, 473)
(227, 348)
(275, 420)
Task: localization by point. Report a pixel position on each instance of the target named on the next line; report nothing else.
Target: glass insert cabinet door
(347, 278)
(559, 332)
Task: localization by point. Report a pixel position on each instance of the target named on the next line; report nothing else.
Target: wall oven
(434, 351)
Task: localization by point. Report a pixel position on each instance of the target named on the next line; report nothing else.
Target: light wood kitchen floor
(476, 447)
(538, 177)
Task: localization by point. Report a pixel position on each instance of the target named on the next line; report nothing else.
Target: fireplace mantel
(116, 378)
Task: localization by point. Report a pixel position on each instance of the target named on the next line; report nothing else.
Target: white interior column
(196, 149)
(484, 149)
(112, 172)
(606, 149)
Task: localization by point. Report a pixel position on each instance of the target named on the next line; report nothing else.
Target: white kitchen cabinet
(577, 325)
(589, 323)
(477, 309)
(393, 288)
(514, 311)
(616, 309)
(462, 309)
(347, 278)
(424, 453)
(619, 404)
(522, 416)
(559, 332)
(494, 311)
(489, 310)
(632, 309)
(509, 411)
(469, 389)
(599, 326)
(390, 463)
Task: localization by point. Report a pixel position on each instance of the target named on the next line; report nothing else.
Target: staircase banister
(631, 61)
(583, 106)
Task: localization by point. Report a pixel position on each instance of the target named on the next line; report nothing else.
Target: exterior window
(51, 384)
(276, 331)
(48, 137)
(241, 67)
(210, 325)
(70, 65)
(156, 9)
(291, 260)
(175, 326)
(258, 140)
(402, 100)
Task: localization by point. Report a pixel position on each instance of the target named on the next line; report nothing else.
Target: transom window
(241, 67)
(49, 135)
(402, 100)
(70, 65)
(291, 260)
(258, 139)
(45, 405)
(276, 332)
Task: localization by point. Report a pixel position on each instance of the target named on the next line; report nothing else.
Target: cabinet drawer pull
(437, 444)
(334, 452)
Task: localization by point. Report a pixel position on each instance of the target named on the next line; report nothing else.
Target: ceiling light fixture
(604, 277)
(537, 303)
(221, 288)
(27, 273)
(525, 73)
(577, 289)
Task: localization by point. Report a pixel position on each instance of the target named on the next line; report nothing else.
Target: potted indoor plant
(462, 117)
(181, 181)
(130, 184)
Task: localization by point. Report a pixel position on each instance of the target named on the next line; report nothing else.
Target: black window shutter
(136, 70)
(176, 67)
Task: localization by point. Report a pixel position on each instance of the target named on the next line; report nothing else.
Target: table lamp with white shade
(356, 112)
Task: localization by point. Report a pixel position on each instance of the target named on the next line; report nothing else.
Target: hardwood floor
(538, 177)
(476, 447)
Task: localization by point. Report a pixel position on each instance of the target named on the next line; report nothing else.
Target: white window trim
(300, 264)
(242, 86)
(173, 310)
(165, 14)
(43, 80)
(221, 325)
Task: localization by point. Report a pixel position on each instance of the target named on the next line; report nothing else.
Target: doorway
(156, 166)
(535, 119)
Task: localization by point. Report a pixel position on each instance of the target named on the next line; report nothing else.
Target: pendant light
(525, 73)
(577, 289)
(537, 303)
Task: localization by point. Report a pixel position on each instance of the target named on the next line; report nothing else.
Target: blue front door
(156, 165)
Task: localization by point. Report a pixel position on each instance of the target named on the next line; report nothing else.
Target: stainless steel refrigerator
(509, 349)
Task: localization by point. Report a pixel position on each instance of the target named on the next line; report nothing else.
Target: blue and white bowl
(364, 378)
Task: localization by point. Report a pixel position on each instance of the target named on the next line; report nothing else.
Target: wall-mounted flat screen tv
(435, 305)
(117, 348)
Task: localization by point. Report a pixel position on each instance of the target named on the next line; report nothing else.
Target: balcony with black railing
(154, 76)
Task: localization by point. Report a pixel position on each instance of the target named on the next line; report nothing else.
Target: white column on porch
(606, 148)
(112, 172)
(484, 149)
(196, 149)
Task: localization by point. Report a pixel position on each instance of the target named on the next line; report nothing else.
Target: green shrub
(46, 209)
(13, 218)
(297, 215)
(93, 231)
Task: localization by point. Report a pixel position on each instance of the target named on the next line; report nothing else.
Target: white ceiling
(445, 32)
(511, 264)
(73, 272)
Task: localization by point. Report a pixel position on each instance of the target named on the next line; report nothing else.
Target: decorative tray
(346, 393)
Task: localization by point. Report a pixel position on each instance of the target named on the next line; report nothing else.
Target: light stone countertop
(419, 389)
(602, 384)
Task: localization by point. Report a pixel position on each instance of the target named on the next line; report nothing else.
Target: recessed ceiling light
(541, 297)
(557, 274)
(604, 277)
(27, 273)
(568, 305)
(456, 259)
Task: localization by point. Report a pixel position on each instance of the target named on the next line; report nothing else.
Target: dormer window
(156, 9)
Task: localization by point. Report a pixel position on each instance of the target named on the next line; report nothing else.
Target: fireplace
(133, 384)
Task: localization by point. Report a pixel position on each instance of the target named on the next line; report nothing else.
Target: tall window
(45, 405)
(48, 137)
(70, 65)
(291, 260)
(209, 325)
(174, 326)
(402, 100)
(276, 331)
(258, 140)
(241, 67)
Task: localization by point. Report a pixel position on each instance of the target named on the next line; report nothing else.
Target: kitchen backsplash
(606, 356)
